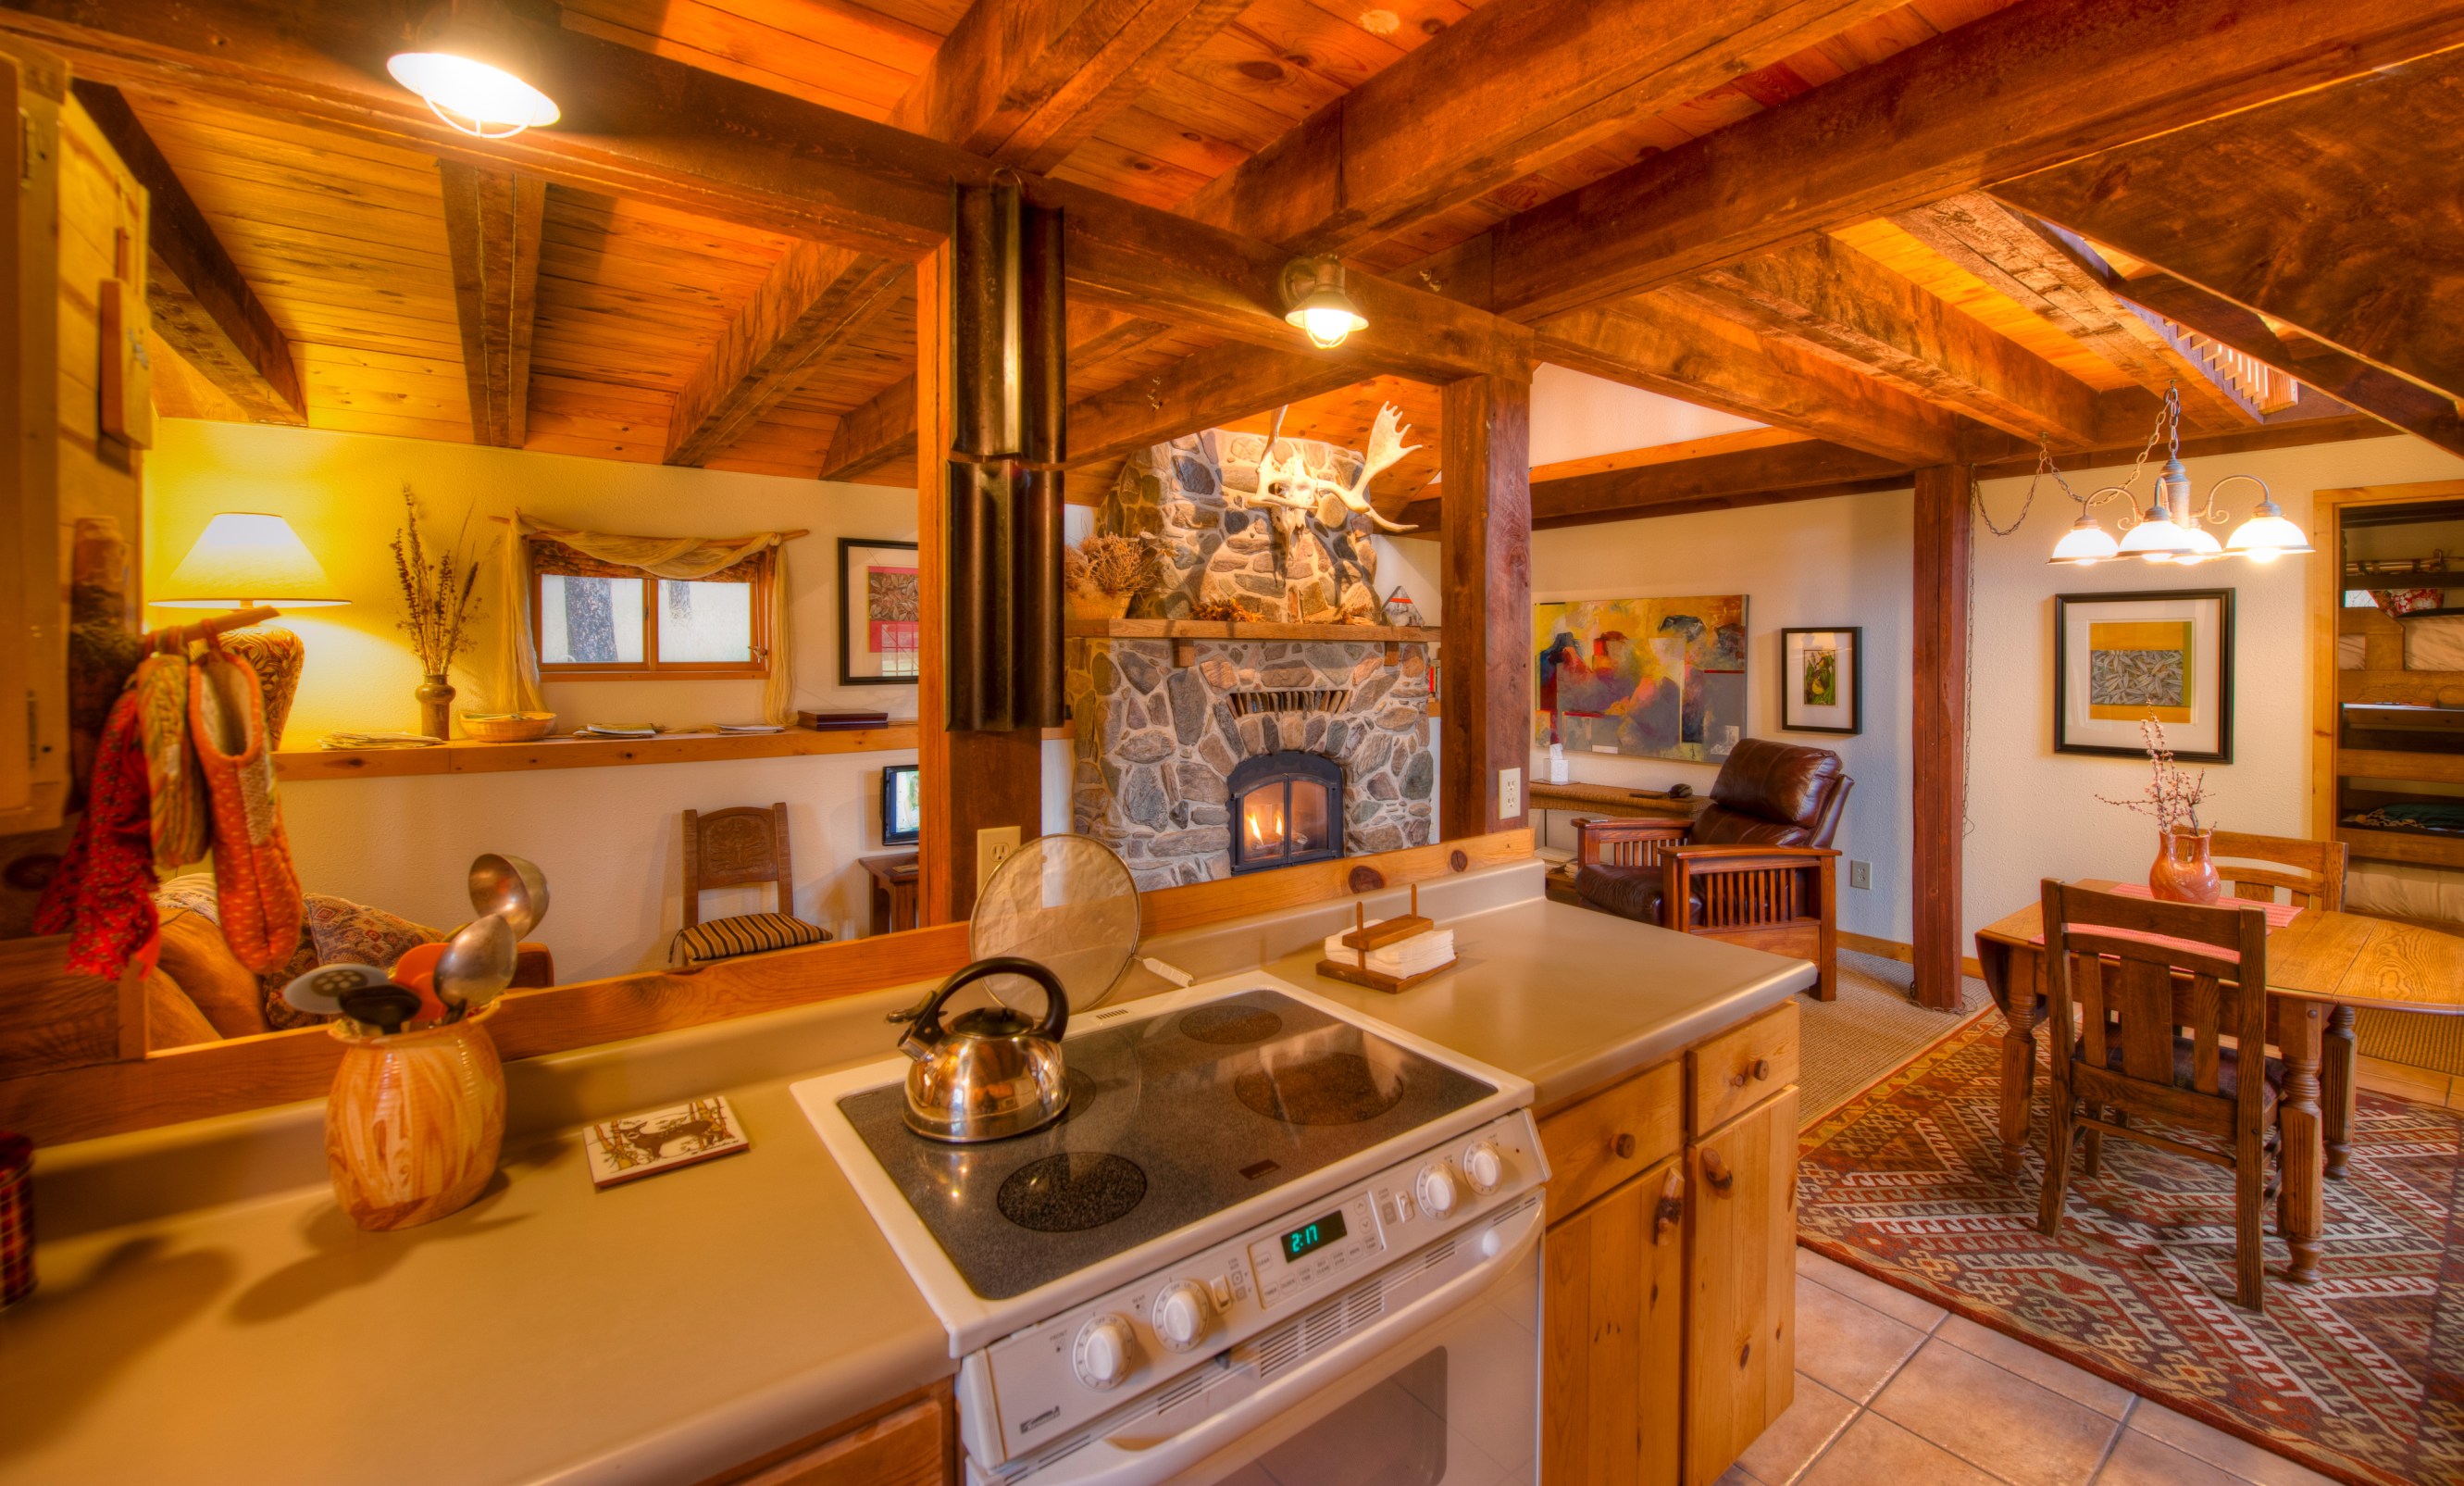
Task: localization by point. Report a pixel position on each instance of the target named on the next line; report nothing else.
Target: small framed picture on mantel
(2121, 658)
(1822, 680)
(880, 613)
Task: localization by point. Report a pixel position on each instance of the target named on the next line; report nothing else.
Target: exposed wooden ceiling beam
(1502, 92)
(815, 299)
(2024, 89)
(201, 304)
(881, 429)
(2012, 256)
(1842, 304)
(2336, 212)
(1099, 335)
(1197, 392)
(2399, 404)
(493, 220)
(1026, 82)
(648, 128)
(1680, 347)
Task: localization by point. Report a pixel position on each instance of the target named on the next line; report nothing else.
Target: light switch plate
(993, 844)
(1509, 794)
(1860, 875)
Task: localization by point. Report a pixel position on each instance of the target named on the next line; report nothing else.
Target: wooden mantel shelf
(467, 757)
(1185, 634)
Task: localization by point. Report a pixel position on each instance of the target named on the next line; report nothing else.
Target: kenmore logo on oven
(1040, 1420)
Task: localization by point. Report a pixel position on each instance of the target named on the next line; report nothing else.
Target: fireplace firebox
(1287, 808)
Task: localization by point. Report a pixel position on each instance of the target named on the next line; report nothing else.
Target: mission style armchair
(1756, 869)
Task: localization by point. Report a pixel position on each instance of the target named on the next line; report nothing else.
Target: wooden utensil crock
(414, 1122)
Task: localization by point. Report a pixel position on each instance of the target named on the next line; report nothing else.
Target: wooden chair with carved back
(2315, 879)
(730, 848)
(2126, 976)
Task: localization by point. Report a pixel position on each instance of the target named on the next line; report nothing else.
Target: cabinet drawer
(1611, 1136)
(1742, 1067)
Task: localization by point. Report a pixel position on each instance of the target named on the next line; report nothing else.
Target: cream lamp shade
(244, 558)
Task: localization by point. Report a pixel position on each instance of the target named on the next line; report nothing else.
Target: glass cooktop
(1172, 1118)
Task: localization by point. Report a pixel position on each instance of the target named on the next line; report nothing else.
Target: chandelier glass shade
(2171, 528)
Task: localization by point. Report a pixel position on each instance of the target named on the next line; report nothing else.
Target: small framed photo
(1822, 680)
(881, 606)
(2121, 658)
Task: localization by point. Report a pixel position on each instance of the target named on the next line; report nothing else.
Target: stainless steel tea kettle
(991, 1073)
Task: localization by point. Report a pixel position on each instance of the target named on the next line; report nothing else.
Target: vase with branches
(440, 592)
(2183, 872)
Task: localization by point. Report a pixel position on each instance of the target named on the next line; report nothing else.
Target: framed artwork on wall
(880, 613)
(1655, 678)
(1822, 679)
(2120, 658)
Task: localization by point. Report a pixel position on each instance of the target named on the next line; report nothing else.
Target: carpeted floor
(1871, 1029)
(2359, 1374)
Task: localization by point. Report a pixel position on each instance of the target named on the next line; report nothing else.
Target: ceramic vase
(414, 1122)
(435, 699)
(2181, 873)
(1096, 604)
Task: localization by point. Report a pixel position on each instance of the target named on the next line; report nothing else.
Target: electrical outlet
(1509, 794)
(993, 844)
(1860, 875)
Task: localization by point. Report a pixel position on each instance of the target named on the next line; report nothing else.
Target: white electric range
(1270, 1233)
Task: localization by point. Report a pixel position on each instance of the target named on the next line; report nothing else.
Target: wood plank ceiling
(1925, 320)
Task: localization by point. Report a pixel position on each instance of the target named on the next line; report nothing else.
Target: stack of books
(842, 721)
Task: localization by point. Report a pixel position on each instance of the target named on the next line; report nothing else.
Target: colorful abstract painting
(1650, 677)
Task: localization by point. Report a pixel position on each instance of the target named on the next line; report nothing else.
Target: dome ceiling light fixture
(1314, 300)
(471, 60)
(2170, 529)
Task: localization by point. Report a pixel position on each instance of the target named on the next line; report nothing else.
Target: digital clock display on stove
(1309, 1237)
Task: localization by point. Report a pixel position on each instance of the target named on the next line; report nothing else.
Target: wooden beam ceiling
(2024, 89)
(202, 306)
(880, 432)
(1842, 304)
(2339, 212)
(1504, 91)
(1801, 471)
(1210, 387)
(493, 221)
(2010, 255)
(814, 301)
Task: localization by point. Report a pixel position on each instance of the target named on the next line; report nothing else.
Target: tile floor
(1892, 1390)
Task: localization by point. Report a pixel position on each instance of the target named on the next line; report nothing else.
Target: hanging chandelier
(2169, 529)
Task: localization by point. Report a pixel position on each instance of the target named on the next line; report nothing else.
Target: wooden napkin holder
(1365, 938)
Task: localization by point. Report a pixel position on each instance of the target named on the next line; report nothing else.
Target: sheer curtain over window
(513, 681)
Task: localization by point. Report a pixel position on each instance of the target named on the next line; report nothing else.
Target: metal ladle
(512, 888)
(477, 963)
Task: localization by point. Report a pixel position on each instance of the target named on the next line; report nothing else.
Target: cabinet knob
(1623, 1146)
(1762, 1069)
(1716, 1171)
(1671, 1209)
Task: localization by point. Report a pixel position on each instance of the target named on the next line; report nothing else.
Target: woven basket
(507, 726)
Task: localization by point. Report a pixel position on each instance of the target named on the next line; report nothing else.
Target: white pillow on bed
(2404, 890)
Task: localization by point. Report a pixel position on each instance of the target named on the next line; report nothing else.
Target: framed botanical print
(2121, 658)
(880, 613)
(1822, 680)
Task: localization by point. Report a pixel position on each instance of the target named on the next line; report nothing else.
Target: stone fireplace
(1206, 746)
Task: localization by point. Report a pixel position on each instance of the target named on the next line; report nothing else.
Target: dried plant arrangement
(2173, 795)
(1225, 609)
(1105, 574)
(439, 589)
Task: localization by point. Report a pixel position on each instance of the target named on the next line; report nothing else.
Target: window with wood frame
(592, 619)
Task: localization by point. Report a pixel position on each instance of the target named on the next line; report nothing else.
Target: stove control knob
(1182, 1315)
(1103, 1356)
(1484, 1166)
(1438, 1188)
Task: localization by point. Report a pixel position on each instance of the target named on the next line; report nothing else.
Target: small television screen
(902, 805)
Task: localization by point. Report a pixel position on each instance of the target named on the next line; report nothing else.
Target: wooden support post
(1940, 726)
(1485, 664)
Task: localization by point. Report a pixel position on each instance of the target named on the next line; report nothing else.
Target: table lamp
(241, 559)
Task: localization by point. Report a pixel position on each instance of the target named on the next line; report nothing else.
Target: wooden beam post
(816, 298)
(1485, 664)
(1940, 726)
(493, 225)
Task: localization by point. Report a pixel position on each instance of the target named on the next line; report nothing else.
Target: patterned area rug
(2359, 1374)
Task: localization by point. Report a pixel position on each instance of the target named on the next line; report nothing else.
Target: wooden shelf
(1246, 630)
(467, 757)
(2420, 847)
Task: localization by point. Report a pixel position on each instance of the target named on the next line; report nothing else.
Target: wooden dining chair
(2130, 974)
(732, 848)
(2315, 880)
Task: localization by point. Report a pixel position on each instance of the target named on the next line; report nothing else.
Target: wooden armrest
(1712, 856)
(1592, 835)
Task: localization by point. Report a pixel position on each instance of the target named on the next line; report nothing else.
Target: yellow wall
(343, 494)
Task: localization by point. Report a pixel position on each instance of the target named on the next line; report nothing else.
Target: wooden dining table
(2320, 968)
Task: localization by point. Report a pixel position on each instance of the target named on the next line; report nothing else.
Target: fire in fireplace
(1287, 808)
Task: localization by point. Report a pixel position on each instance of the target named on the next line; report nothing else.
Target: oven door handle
(1101, 1462)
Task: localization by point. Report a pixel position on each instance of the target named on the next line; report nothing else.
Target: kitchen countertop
(206, 1313)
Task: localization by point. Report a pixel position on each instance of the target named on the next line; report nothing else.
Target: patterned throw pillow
(747, 934)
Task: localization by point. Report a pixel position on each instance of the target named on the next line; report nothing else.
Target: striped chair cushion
(746, 934)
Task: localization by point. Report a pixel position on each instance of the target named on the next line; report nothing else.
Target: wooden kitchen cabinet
(909, 1441)
(1669, 1294)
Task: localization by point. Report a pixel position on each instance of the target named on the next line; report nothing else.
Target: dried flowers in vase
(1105, 574)
(439, 594)
(2181, 872)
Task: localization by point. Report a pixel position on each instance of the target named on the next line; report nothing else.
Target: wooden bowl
(507, 726)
